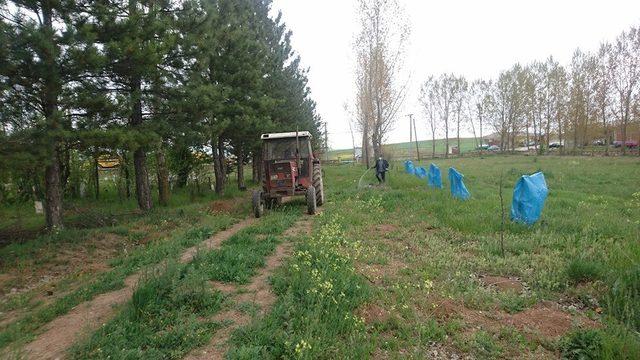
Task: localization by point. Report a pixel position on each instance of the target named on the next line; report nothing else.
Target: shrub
(583, 345)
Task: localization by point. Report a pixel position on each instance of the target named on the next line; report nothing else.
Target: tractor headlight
(274, 177)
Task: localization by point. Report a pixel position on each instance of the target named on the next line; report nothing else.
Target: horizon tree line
(544, 102)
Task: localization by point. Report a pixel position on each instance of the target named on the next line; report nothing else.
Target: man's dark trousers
(380, 176)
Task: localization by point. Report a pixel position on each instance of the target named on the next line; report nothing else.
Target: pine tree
(35, 68)
(136, 42)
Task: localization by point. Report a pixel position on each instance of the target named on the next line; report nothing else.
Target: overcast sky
(473, 38)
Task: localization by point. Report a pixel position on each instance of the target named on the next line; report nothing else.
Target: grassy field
(394, 271)
(405, 271)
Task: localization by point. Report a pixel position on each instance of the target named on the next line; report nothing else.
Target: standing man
(381, 166)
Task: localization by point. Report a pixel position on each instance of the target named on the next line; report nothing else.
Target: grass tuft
(581, 270)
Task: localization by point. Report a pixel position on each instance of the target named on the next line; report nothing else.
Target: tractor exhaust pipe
(297, 157)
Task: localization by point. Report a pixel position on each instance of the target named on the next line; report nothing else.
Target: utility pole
(326, 142)
(353, 142)
(410, 135)
(412, 130)
(415, 131)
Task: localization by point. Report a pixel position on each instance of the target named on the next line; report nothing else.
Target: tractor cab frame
(289, 168)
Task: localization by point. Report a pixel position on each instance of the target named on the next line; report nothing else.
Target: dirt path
(65, 330)
(258, 292)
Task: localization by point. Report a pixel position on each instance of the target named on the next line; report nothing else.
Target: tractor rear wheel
(258, 204)
(318, 184)
(311, 200)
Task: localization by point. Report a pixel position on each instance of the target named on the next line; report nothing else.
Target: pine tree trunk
(127, 176)
(163, 178)
(65, 170)
(218, 163)
(143, 191)
(53, 194)
(96, 176)
(260, 167)
(254, 168)
(240, 164)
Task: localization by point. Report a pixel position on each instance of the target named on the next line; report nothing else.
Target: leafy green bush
(582, 345)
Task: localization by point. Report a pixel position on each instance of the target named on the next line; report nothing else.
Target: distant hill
(403, 150)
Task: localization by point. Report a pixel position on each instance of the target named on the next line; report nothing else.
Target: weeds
(583, 345)
(581, 270)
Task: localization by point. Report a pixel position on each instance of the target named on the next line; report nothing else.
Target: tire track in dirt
(258, 292)
(61, 333)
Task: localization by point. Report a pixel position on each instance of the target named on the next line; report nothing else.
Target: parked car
(598, 142)
(555, 145)
(484, 147)
(494, 148)
(630, 144)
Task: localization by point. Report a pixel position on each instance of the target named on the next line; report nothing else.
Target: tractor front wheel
(258, 204)
(311, 200)
(318, 184)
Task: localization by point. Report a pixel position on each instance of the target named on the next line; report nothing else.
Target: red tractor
(289, 168)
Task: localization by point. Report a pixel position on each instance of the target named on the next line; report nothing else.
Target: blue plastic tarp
(421, 172)
(408, 167)
(458, 190)
(529, 195)
(434, 176)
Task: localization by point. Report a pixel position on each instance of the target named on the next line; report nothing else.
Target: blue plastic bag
(458, 190)
(421, 172)
(434, 176)
(409, 168)
(529, 195)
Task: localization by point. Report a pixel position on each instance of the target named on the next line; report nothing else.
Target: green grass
(243, 253)
(170, 312)
(384, 263)
(432, 247)
(317, 294)
(162, 320)
(26, 327)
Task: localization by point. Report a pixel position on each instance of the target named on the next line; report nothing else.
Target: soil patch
(226, 206)
(546, 319)
(385, 229)
(373, 313)
(16, 234)
(301, 228)
(503, 284)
